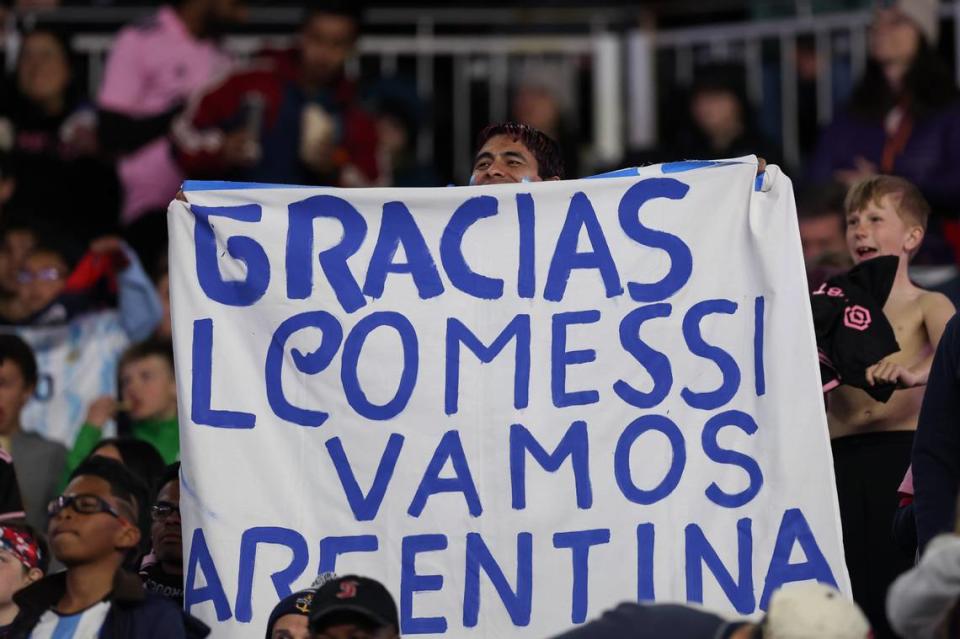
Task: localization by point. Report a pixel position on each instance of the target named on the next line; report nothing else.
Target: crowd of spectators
(89, 439)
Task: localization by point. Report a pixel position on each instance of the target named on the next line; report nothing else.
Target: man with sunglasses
(162, 571)
(94, 532)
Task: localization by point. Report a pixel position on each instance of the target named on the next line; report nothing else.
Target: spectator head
(24, 559)
(43, 276)
(147, 383)
(211, 17)
(165, 533)
(140, 458)
(99, 517)
(327, 39)
(539, 96)
(822, 224)
(811, 610)
(17, 242)
(289, 617)
(900, 28)
(351, 604)
(886, 215)
(44, 71)
(719, 105)
(904, 66)
(511, 152)
(18, 378)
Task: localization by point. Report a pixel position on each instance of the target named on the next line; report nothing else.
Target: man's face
(821, 236)
(504, 160)
(41, 280)
(327, 40)
(165, 531)
(77, 538)
(14, 249)
(14, 394)
(291, 627)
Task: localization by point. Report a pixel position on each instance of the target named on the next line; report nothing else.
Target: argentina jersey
(82, 625)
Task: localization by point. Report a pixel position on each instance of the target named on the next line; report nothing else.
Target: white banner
(515, 405)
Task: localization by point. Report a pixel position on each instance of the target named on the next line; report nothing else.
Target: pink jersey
(153, 66)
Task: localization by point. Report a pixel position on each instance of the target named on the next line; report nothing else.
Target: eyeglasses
(83, 504)
(43, 275)
(163, 509)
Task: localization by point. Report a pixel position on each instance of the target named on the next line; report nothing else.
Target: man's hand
(107, 244)
(863, 169)
(887, 372)
(240, 149)
(101, 411)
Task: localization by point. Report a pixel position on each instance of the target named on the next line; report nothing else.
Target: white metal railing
(476, 60)
(624, 69)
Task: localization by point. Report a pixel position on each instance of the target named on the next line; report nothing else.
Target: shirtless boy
(886, 215)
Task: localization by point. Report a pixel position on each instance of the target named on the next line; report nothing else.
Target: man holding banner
(627, 410)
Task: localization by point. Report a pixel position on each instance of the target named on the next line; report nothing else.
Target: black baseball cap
(352, 593)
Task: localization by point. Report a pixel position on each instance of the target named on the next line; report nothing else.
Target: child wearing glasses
(95, 531)
(24, 559)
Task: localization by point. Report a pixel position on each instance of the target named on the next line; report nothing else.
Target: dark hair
(343, 8)
(124, 485)
(545, 149)
(72, 91)
(140, 458)
(928, 84)
(170, 473)
(13, 348)
(148, 348)
(821, 200)
(22, 527)
(67, 249)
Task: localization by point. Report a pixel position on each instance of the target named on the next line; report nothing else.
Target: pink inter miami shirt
(153, 66)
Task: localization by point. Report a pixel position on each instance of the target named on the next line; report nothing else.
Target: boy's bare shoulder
(933, 301)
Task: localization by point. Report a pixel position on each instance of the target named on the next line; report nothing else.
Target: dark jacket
(134, 613)
(936, 446)
(273, 80)
(930, 159)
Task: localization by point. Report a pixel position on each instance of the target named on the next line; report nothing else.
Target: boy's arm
(937, 310)
(101, 410)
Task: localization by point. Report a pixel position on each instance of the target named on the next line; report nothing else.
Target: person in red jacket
(290, 117)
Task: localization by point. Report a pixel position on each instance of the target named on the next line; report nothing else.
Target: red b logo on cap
(348, 590)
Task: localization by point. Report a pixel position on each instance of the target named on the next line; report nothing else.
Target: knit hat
(297, 603)
(925, 14)
(812, 610)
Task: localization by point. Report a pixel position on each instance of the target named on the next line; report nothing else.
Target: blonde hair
(911, 206)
